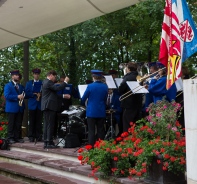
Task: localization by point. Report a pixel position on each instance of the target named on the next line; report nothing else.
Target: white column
(190, 110)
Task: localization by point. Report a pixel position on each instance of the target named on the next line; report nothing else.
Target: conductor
(49, 105)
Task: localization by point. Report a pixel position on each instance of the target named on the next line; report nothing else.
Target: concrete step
(8, 180)
(34, 176)
(61, 161)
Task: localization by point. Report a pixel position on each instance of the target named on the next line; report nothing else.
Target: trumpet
(21, 100)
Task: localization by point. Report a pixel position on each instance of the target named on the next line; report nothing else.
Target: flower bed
(159, 135)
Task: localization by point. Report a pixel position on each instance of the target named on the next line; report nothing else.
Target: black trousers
(130, 115)
(49, 122)
(35, 124)
(14, 125)
(99, 124)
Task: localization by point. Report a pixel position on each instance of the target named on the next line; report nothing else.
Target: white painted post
(190, 111)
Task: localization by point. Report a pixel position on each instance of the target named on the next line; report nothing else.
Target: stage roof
(22, 20)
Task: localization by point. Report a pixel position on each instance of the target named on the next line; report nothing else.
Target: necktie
(17, 88)
(108, 100)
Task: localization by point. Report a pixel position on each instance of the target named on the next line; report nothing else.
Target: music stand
(111, 130)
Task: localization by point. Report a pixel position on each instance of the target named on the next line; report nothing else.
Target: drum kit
(75, 123)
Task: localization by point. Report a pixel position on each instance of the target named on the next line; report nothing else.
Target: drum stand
(65, 129)
(111, 132)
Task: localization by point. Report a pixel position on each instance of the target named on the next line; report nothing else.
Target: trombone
(21, 100)
(148, 76)
(129, 93)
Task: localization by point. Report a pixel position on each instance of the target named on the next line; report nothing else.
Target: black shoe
(50, 146)
(11, 141)
(19, 140)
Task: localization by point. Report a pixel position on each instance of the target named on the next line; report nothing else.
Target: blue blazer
(11, 96)
(96, 93)
(33, 87)
(115, 104)
(158, 89)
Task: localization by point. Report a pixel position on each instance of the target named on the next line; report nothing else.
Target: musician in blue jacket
(153, 67)
(95, 96)
(115, 103)
(33, 93)
(157, 86)
(14, 95)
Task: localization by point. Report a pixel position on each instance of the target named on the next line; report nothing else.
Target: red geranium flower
(88, 147)
(80, 157)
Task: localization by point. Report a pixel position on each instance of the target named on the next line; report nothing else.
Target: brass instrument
(123, 66)
(21, 100)
(140, 66)
(148, 76)
(129, 93)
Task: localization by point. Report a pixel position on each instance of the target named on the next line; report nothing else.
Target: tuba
(123, 66)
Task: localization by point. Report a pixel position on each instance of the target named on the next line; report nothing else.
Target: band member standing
(113, 103)
(149, 96)
(33, 93)
(96, 96)
(157, 86)
(13, 93)
(131, 105)
(50, 106)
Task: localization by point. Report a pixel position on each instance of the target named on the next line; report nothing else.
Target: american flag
(179, 38)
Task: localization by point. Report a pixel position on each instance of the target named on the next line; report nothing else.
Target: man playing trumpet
(33, 93)
(13, 94)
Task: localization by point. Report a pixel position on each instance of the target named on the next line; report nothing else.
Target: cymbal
(77, 107)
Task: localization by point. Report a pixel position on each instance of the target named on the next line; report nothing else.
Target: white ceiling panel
(22, 20)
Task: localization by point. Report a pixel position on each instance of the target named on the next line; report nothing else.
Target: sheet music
(82, 89)
(118, 81)
(179, 84)
(136, 88)
(110, 82)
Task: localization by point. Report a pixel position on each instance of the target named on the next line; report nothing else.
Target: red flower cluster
(133, 152)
